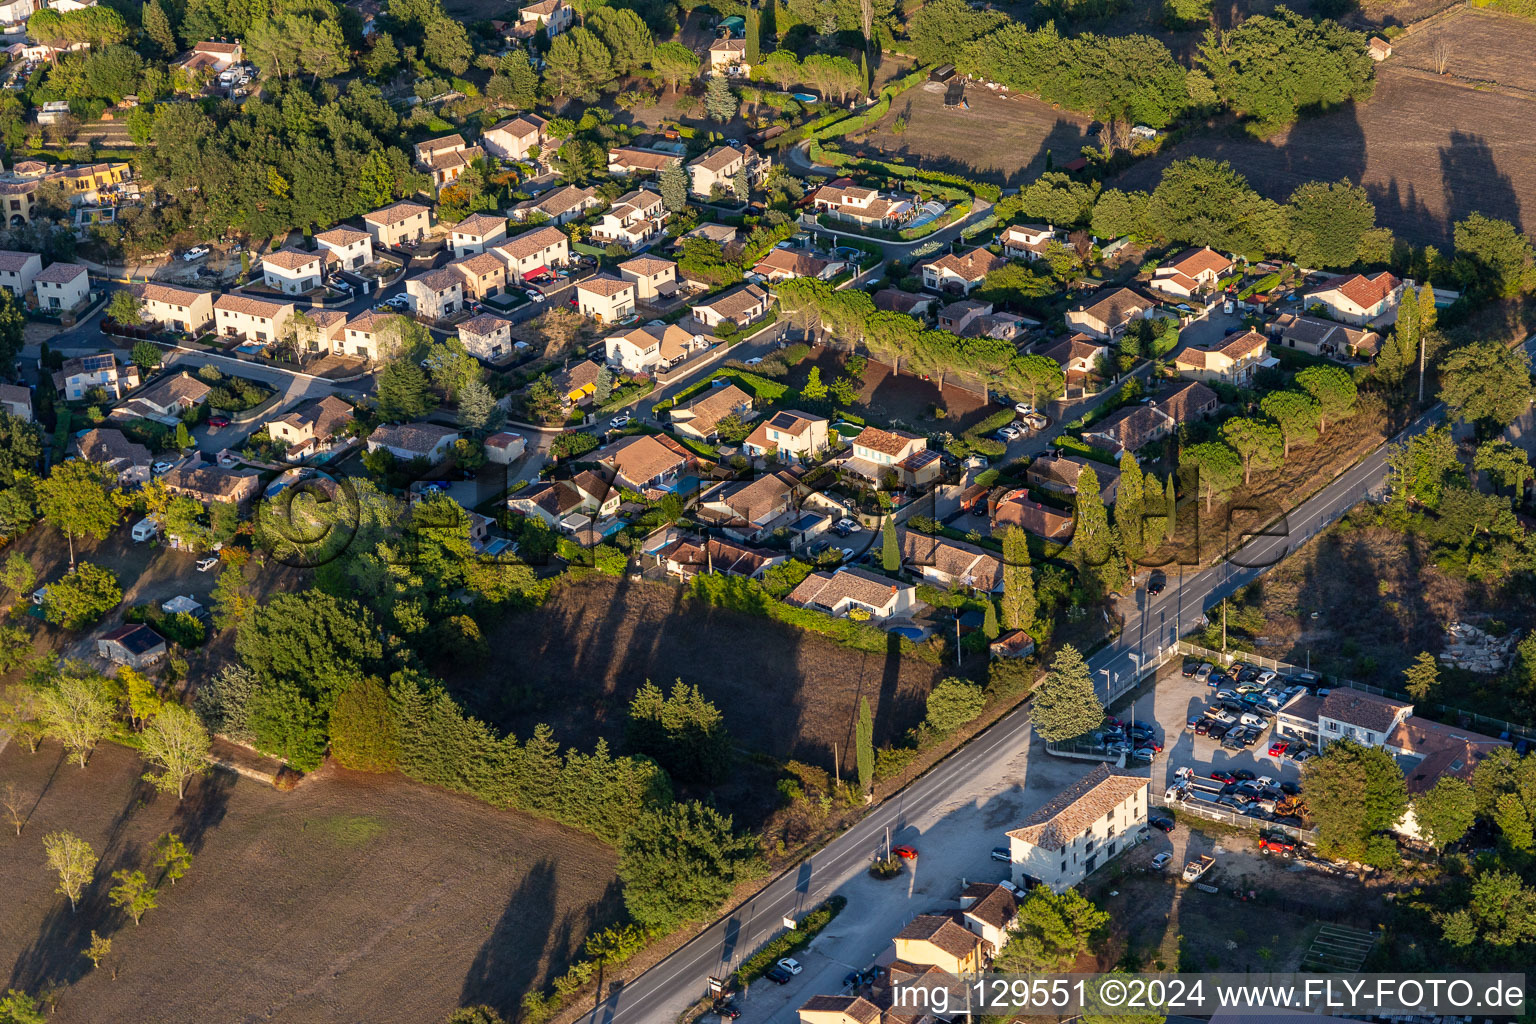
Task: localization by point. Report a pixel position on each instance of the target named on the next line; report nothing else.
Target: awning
(535, 272)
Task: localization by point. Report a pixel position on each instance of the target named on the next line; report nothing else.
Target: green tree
(1445, 812)
(1215, 469)
(1255, 441)
(1053, 931)
(1018, 581)
(74, 861)
(1117, 213)
(814, 390)
(176, 746)
(1485, 381)
(674, 63)
(16, 1007)
(1505, 785)
(133, 894)
(890, 550)
(76, 498)
(754, 42)
(447, 46)
(673, 182)
(1422, 676)
(77, 711)
(1065, 706)
(1203, 202)
(1179, 14)
(844, 390)
(577, 62)
(864, 746)
(1130, 512)
(18, 576)
(683, 731)
(1329, 223)
(171, 856)
(478, 411)
(311, 639)
(628, 39)
(125, 307)
(719, 98)
(952, 704)
(362, 728)
(1423, 466)
(1492, 258)
(678, 863)
(286, 723)
(232, 600)
(1091, 539)
(1400, 352)
(1356, 795)
(383, 56)
(989, 627)
(475, 1015)
(1506, 463)
(99, 949)
(402, 392)
(1332, 388)
(938, 30)
(79, 599)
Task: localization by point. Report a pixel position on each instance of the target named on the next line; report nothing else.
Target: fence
(1468, 719)
(1211, 813)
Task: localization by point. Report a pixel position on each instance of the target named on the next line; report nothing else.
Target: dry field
(1428, 152)
(785, 693)
(999, 139)
(354, 897)
(902, 399)
(1476, 45)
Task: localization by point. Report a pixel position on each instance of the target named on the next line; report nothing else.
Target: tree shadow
(203, 808)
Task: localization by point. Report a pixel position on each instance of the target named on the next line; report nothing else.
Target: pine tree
(741, 185)
(890, 552)
(1129, 513)
(1018, 581)
(157, 27)
(989, 621)
(719, 98)
(864, 746)
(1065, 706)
(1422, 676)
(814, 390)
(673, 182)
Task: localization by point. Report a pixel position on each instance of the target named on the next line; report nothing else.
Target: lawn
(353, 897)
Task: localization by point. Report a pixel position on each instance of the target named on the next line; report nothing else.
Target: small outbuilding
(134, 645)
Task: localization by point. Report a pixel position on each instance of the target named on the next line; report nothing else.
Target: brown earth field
(1479, 45)
(903, 399)
(354, 897)
(1428, 152)
(784, 693)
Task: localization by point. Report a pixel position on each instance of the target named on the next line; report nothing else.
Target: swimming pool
(913, 633)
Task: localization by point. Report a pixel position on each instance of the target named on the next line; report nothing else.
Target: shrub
(953, 703)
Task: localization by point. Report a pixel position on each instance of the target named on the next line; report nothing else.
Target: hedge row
(796, 938)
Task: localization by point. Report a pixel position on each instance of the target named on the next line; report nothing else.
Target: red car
(1221, 776)
(1150, 745)
(218, 421)
(905, 852)
(1278, 748)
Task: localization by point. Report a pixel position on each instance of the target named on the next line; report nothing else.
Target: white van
(147, 528)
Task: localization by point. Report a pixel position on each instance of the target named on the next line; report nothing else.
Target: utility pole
(1223, 626)
(1422, 348)
(837, 773)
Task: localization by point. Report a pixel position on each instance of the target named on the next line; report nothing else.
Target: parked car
(1161, 860)
(850, 525)
(205, 564)
(1202, 727)
(1002, 853)
(162, 467)
(1023, 408)
(1220, 775)
(218, 420)
(195, 253)
(1204, 672)
(1253, 720)
(621, 420)
(904, 852)
(1191, 666)
(727, 1010)
(1278, 748)
(1164, 824)
(1157, 583)
(791, 965)
(1218, 730)
(778, 975)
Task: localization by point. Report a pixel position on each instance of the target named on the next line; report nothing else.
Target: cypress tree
(1018, 580)
(864, 746)
(1171, 503)
(989, 621)
(753, 42)
(1129, 513)
(890, 554)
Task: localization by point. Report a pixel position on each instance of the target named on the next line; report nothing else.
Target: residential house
(486, 336)
(515, 138)
(178, 309)
(1379, 49)
(649, 349)
(1191, 272)
(824, 1009)
(949, 563)
(955, 317)
(655, 279)
(1428, 751)
(1027, 241)
(877, 453)
(938, 940)
(364, 333)
(134, 645)
(782, 264)
(606, 299)
(166, 400)
(1132, 428)
(687, 557)
(990, 911)
(849, 590)
(1060, 474)
(553, 16)
(209, 483)
(748, 512)
(311, 423)
(1013, 644)
(411, 441)
(16, 400)
(637, 161)
(484, 274)
(742, 306)
(701, 418)
(718, 169)
(294, 272)
(729, 56)
(245, 316)
(893, 300)
(398, 223)
(1360, 716)
(952, 273)
(79, 375)
(653, 464)
(1110, 313)
(1078, 356)
(477, 233)
(62, 287)
(446, 158)
(788, 434)
(587, 495)
(560, 206)
(577, 384)
(129, 460)
(1080, 829)
(353, 248)
(17, 272)
(634, 220)
(1233, 359)
(1358, 299)
(1017, 508)
(435, 294)
(504, 447)
(845, 201)
(218, 55)
(1327, 338)
(531, 253)
(723, 235)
